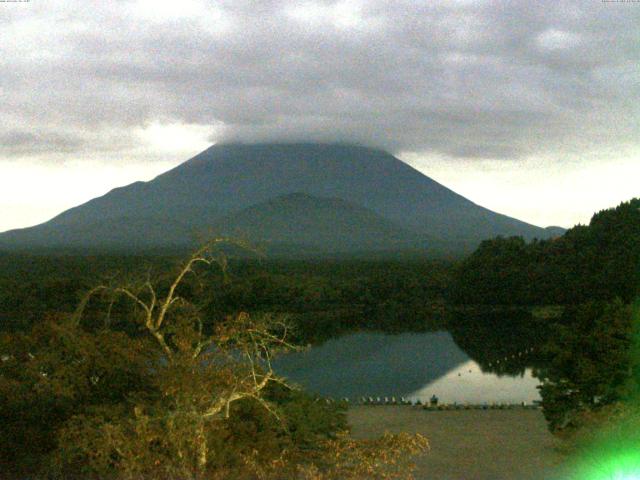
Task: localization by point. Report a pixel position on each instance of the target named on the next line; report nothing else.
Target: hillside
(322, 223)
(236, 186)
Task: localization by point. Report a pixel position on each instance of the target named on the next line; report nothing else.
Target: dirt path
(469, 444)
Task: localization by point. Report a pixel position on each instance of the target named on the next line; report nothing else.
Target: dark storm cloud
(471, 79)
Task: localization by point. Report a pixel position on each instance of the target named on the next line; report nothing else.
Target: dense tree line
(323, 298)
(598, 262)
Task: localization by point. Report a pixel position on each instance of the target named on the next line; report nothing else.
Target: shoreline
(492, 444)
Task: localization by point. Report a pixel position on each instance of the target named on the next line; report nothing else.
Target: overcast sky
(530, 108)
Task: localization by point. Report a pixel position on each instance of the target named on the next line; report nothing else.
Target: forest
(167, 375)
(323, 298)
(129, 367)
(589, 366)
(159, 366)
(595, 262)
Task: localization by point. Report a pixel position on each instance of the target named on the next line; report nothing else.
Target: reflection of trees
(501, 342)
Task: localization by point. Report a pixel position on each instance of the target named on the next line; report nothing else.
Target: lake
(412, 365)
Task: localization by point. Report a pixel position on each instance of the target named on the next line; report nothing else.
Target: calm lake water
(413, 365)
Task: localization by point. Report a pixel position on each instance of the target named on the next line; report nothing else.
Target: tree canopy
(600, 261)
(137, 383)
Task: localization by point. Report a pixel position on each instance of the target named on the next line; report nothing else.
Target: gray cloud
(462, 79)
(27, 142)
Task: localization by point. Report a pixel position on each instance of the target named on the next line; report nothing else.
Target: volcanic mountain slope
(348, 197)
(325, 224)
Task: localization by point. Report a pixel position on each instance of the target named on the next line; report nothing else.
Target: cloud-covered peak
(470, 79)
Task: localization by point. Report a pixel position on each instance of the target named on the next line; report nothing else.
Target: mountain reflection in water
(469, 384)
(414, 365)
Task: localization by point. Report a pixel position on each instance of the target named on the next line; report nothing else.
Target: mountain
(341, 197)
(321, 223)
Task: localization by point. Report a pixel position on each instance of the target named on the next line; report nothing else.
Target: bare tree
(201, 375)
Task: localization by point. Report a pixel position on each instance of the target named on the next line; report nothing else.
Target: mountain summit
(335, 198)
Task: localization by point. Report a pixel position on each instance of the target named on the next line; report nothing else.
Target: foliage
(54, 372)
(607, 445)
(384, 458)
(600, 261)
(152, 388)
(590, 359)
(494, 273)
(321, 298)
(588, 363)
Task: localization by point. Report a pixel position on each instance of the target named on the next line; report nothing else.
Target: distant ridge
(299, 218)
(338, 197)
